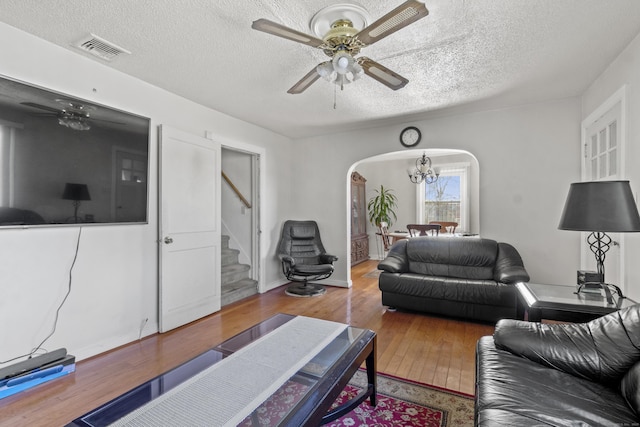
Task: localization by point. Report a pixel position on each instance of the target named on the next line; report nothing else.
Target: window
(602, 145)
(446, 199)
(7, 151)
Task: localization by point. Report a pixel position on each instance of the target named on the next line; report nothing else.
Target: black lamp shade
(605, 206)
(76, 192)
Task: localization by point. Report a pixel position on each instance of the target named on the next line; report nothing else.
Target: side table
(556, 302)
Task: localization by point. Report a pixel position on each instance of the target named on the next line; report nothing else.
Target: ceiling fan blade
(305, 82)
(403, 15)
(382, 74)
(279, 30)
(40, 106)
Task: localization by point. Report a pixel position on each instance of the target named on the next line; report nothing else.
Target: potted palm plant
(381, 207)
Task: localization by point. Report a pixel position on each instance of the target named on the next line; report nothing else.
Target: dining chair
(446, 226)
(384, 234)
(423, 229)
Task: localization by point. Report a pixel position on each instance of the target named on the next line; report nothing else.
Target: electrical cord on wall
(55, 321)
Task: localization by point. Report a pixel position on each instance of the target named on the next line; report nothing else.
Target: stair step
(229, 256)
(234, 272)
(236, 291)
(236, 283)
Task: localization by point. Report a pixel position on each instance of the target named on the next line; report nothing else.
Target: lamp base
(305, 290)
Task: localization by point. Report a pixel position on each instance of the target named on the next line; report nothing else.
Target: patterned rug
(400, 403)
(406, 403)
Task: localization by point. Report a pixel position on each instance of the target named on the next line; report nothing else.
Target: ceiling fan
(72, 114)
(342, 42)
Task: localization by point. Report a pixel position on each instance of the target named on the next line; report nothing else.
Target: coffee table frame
(311, 410)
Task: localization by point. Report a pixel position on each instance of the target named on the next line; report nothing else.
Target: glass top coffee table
(556, 302)
(305, 399)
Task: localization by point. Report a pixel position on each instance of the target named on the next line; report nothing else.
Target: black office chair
(303, 258)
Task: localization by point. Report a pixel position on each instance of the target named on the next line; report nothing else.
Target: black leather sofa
(465, 277)
(586, 374)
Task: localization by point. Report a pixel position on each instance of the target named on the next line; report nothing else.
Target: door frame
(258, 162)
(619, 96)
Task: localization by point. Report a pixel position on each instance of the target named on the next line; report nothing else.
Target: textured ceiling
(477, 53)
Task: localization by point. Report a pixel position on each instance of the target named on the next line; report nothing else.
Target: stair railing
(235, 190)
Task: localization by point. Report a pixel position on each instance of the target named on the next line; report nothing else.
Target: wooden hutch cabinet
(359, 237)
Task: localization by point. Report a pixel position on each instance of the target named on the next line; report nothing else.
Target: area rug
(400, 403)
(406, 403)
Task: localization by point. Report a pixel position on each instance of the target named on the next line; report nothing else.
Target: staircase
(236, 283)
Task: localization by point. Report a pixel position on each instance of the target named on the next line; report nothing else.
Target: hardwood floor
(428, 349)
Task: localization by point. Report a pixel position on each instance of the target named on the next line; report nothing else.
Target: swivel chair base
(305, 290)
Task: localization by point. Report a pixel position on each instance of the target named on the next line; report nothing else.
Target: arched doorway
(390, 170)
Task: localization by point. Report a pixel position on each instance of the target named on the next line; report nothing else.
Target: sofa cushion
(514, 391)
(444, 288)
(630, 387)
(602, 350)
(463, 258)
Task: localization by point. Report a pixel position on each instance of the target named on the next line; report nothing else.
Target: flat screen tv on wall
(67, 161)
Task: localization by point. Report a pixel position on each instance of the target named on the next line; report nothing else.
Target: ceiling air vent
(100, 47)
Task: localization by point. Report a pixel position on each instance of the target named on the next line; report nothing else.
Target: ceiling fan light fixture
(73, 121)
(341, 70)
(343, 62)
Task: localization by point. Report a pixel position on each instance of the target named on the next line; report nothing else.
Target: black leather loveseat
(464, 277)
(533, 374)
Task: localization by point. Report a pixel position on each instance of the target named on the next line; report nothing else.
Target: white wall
(624, 70)
(115, 278)
(527, 157)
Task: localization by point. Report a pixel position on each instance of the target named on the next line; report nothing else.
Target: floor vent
(100, 47)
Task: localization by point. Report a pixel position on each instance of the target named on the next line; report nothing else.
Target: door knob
(168, 240)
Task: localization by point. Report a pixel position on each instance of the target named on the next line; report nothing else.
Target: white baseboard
(337, 283)
(93, 350)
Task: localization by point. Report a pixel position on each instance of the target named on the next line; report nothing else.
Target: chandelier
(423, 171)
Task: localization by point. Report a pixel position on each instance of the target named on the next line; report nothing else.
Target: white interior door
(189, 226)
(603, 144)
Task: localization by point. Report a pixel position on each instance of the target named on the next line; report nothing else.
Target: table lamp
(600, 207)
(76, 192)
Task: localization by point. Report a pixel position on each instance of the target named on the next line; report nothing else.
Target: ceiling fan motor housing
(340, 37)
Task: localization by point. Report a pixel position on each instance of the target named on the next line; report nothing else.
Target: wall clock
(410, 136)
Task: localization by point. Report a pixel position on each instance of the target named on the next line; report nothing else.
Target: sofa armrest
(396, 260)
(602, 350)
(513, 274)
(509, 265)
